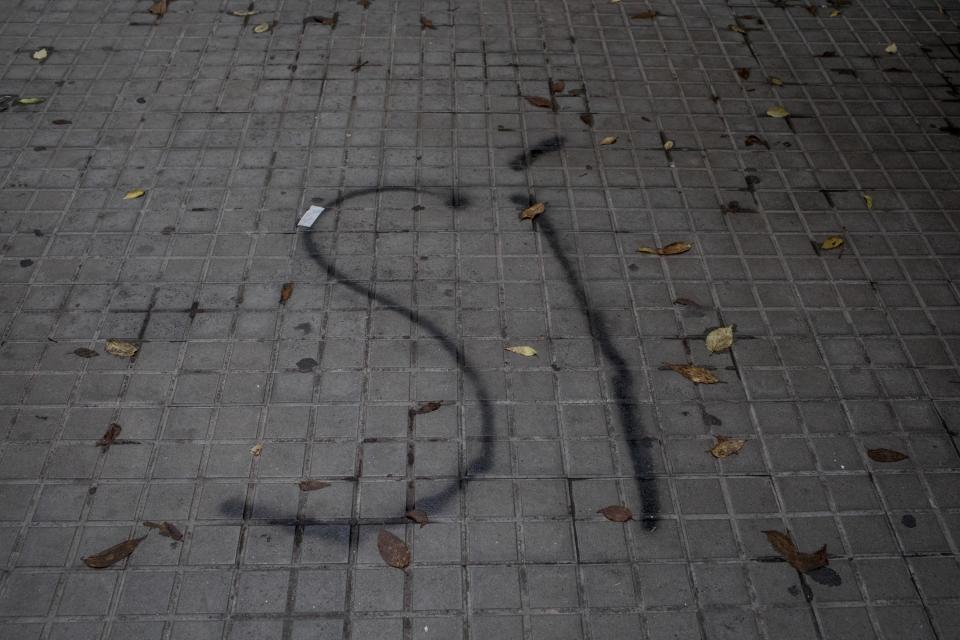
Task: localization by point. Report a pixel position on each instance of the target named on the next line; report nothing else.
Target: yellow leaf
(263, 27)
(133, 195)
(28, 101)
(671, 249)
(121, 349)
(834, 13)
(609, 140)
(243, 13)
(257, 449)
(831, 243)
(720, 339)
(40, 54)
(868, 200)
(726, 446)
(529, 352)
(736, 28)
(533, 211)
(777, 112)
(775, 81)
(699, 375)
(891, 48)
(668, 145)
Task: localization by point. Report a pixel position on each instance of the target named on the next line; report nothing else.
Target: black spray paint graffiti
(623, 380)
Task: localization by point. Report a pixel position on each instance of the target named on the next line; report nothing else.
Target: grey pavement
(409, 122)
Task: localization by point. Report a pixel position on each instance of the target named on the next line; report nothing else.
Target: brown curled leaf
(616, 513)
(110, 435)
(533, 211)
(285, 292)
(426, 407)
(113, 555)
(669, 250)
(558, 86)
(158, 8)
(644, 15)
(587, 119)
(393, 550)
(726, 447)
(420, 517)
(886, 455)
(313, 485)
(121, 348)
(426, 23)
(752, 140)
(539, 101)
(786, 547)
(166, 529)
(695, 374)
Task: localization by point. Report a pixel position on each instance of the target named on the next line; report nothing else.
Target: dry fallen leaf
(886, 455)
(737, 29)
(393, 550)
(807, 562)
(529, 352)
(420, 517)
(329, 21)
(616, 513)
(743, 72)
(121, 349)
(114, 554)
(831, 243)
(539, 101)
(609, 140)
(166, 529)
(753, 139)
(671, 249)
(781, 542)
(668, 145)
(83, 352)
(285, 292)
(720, 339)
(803, 562)
(587, 119)
(693, 373)
(40, 54)
(834, 13)
(558, 86)
(257, 449)
(775, 81)
(533, 211)
(777, 112)
(109, 436)
(134, 194)
(644, 15)
(426, 407)
(158, 8)
(313, 485)
(891, 48)
(263, 27)
(868, 200)
(726, 446)
(29, 101)
(426, 23)
(244, 13)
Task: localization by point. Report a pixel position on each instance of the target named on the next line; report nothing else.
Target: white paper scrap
(310, 216)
